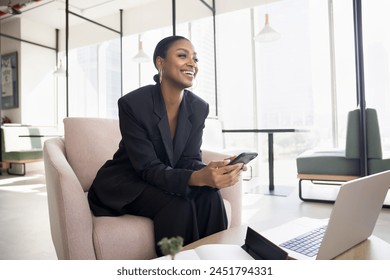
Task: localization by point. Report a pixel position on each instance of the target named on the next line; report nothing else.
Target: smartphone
(243, 158)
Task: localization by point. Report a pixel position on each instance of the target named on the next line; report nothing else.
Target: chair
(339, 165)
(71, 164)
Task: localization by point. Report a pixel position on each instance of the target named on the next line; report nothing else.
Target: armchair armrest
(232, 194)
(70, 230)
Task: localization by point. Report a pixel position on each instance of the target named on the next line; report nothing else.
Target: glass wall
(95, 80)
(376, 46)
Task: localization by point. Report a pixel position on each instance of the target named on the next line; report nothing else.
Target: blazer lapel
(163, 125)
(183, 129)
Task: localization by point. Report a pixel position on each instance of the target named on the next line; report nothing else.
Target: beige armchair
(71, 164)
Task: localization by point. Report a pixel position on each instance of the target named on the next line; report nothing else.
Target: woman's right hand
(217, 174)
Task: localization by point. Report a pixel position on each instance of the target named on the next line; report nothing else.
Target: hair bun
(156, 78)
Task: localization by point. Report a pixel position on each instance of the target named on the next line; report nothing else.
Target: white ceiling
(52, 12)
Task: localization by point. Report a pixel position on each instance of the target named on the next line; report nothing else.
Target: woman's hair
(162, 49)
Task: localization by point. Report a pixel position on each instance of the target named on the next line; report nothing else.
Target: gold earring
(160, 74)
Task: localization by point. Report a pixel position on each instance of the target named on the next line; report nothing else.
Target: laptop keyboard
(307, 244)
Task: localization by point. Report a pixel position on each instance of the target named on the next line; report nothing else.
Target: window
(376, 46)
(287, 83)
(95, 80)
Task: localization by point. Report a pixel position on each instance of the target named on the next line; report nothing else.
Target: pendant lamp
(60, 71)
(141, 56)
(267, 34)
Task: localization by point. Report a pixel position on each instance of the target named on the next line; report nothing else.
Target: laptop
(352, 221)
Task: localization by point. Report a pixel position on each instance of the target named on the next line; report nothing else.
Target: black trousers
(200, 213)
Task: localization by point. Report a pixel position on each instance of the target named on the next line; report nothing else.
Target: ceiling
(52, 12)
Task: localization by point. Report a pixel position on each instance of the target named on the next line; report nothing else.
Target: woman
(157, 172)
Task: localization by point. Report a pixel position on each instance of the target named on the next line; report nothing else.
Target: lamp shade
(267, 34)
(60, 71)
(141, 56)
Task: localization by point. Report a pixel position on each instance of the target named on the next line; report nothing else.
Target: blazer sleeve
(141, 151)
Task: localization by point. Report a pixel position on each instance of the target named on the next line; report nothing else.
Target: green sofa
(21, 144)
(338, 165)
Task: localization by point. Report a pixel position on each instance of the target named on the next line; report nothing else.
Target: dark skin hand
(218, 174)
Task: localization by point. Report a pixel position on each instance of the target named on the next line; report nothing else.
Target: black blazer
(146, 155)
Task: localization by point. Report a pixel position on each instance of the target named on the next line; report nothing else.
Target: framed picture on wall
(9, 81)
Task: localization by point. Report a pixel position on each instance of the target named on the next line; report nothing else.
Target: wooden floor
(24, 223)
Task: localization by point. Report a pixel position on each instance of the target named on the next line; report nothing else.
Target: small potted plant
(171, 246)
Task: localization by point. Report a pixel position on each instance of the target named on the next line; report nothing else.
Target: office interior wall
(11, 28)
(36, 92)
(37, 89)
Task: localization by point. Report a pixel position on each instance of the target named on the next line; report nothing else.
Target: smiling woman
(158, 172)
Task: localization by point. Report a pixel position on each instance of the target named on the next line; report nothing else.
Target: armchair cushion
(113, 237)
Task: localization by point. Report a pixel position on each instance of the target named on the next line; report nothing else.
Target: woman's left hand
(217, 174)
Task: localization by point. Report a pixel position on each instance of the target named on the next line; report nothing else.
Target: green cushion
(378, 165)
(22, 155)
(352, 145)
(331, 162)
